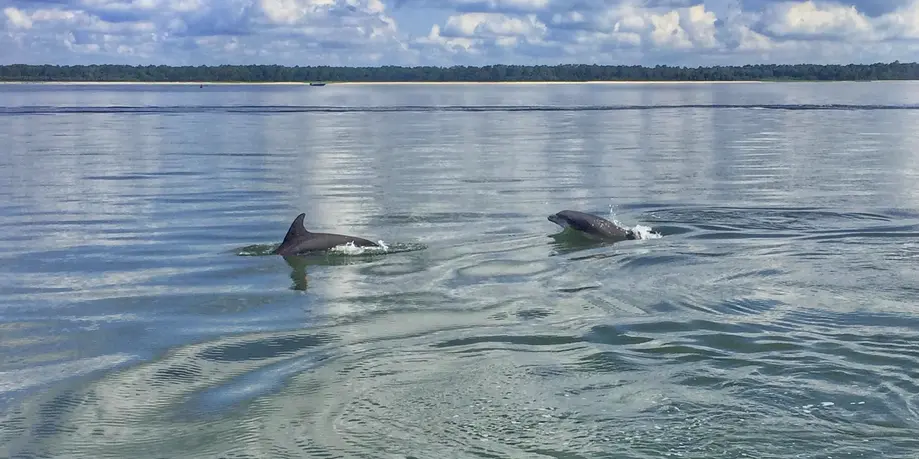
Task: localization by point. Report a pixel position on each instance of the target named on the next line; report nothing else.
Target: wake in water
(345, 250)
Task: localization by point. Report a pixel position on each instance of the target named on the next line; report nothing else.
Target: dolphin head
(564, 219)
(559, 220)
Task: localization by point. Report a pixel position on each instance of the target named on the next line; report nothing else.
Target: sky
(457, 32)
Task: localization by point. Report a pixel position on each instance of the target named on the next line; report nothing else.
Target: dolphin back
(594, 225)
(329, 240)
(299, 240)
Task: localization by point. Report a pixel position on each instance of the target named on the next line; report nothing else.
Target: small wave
(276, 109)
(255, 250)
(39, 375)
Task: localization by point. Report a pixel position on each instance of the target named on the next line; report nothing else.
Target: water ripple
(146, 317)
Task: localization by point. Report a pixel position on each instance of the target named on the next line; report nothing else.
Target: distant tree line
(493, 73)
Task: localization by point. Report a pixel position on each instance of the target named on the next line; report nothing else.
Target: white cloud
(17, 19)
(825, 21)
(901, 23)
(503, 5)
(374, 32)
(493, 25)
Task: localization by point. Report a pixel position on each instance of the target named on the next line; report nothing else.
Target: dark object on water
(317, 84)
(591, 226)
(298, 240)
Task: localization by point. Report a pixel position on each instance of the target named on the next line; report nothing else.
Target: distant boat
(317, 84)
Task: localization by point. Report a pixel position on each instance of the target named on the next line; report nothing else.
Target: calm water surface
(774, 317)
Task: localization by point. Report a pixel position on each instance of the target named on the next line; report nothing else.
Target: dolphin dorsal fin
(296, 230)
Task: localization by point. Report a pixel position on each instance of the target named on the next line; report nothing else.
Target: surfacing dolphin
(592, 226)
(298, 240)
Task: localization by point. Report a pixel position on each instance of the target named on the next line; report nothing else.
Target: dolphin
(298, 240)
(591, 226)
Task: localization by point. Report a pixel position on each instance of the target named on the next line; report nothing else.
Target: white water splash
(642, 231)
(351, 249)
(645, 232)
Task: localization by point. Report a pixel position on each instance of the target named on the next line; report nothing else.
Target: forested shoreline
(492, 73)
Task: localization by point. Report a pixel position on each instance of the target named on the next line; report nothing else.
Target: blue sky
(457, 32)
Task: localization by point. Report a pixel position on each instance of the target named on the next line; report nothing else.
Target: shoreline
(306, 84)
(371, 83)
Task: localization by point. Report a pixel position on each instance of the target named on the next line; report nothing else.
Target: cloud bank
(457, 32)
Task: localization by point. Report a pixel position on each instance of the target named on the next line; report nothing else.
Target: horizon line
(643, 66)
